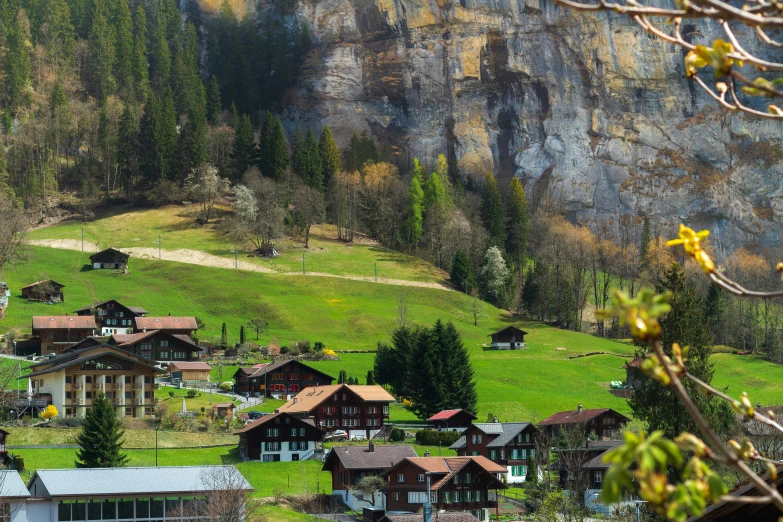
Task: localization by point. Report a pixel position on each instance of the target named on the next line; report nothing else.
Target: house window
(514, 454)
(272, 446)
(145, 346)
(454, 497)
(445, 497)
(532, 453)
(180, 355)
(88, 395)
(493, 455)
(293, 431)
(400, 478)
(163, 355)
(345, 396)
(417, 497)
(598, 476)
(385, 410)
(302, 432)
(474, 453)
(67, 379)
(523, 454)
(163, 343)
(88, 379)
(67, 395)
(272, 432)
(107, 379)
(294, 388)
(466, 478)
(420, 477)
(477, 496)
(293, 377)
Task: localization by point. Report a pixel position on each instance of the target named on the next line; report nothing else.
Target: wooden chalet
(59, 332)
(737, 511)
(190, 371)
(46, 291)
(508, 338)
(508, 444)
(279, 437)
(174, 325)
(110, 258)
(158, 345)
(71, 381)
(357, 409)
(349, 464)
(457, 484)
(279, 378)
(604, 423)
(451, 420)
(112, 317)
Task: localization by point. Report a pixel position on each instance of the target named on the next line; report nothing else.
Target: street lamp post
(156, 439)
(638, 503)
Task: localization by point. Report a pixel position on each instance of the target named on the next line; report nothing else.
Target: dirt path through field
(196, 257)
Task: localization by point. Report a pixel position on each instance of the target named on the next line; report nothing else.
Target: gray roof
(11, 485)
(490, 428)
(510, 430)
(360, 457)
(439, 517)
(460, 444)
(138, 481)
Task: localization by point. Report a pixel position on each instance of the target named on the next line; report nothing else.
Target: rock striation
(590, 112)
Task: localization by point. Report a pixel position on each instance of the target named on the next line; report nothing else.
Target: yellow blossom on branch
(690, 241)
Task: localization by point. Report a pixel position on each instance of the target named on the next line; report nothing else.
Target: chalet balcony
(117, 386)
(78, 386)
(137, 386)
(97, 386)
(32, 403)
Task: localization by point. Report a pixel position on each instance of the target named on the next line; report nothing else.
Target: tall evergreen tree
(168, 136)
(123, 67)
(517, 223)
(313, 169)
(330, 156)
(434, 192)
(273, 160)
(59, 38)
(391, 361)
(159, 53)
(101, 53)
(492, 214)
(419, 172)
(223, 337)
(139, 72)
(244, 146)
(126, 139)
(101, 438)
(414, 213)
(460, 390)
(213, 100)
(462, 272)
(17, 59)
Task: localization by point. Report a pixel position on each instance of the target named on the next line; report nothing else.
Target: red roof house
(451, 420)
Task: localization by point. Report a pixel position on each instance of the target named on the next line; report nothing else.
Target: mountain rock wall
(590, 112)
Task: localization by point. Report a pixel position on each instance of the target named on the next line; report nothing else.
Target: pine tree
(391, 361)
(149, 151)
(59, 38)
(462, 272)
(273, 160)
(492, 214)
(313, 169)
(242, 335)
(425, 385)
(414, 213)
(159, 54)
(121, 19)
(139, 72)
(223, 337)
(57, 98)
(126, 147)
(100, 439)
(370, 378)
(330, 156)
(101, 53)
(244, 146)
(341, 377)
(213, 100)
(517, 223)
(461, 393)
(17, 66)
(169, 143)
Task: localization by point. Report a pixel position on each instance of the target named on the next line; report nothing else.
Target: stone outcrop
(589, 111)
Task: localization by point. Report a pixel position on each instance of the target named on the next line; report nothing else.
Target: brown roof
(131, 339)
(223, 405)
(267, 418)
(264, 368)
(166, 323)
(360, 457)
(441, 517)
(312, 397)
(191, 365)
(448, 467)
(64, 322)
(55, 283)
(574, 417)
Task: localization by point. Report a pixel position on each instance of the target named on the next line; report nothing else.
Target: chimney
(295, 400)
(427, 453)
(579, 409)
(371, 447)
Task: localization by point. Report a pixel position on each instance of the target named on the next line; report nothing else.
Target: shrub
(192, 393)
(171, 394)
(397, 435)
(284, 350)
(434, 438)
(226, 386)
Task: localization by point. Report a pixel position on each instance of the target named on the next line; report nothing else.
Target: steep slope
(589, 111)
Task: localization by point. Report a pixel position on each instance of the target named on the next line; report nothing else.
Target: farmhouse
(359, 410)
(223, 410)
(509, 444)
(190, 371)
(604, 423)
(279, 378)
(71, 381)
(59, 332)
(733, 511)
(279, 437)
(46, 291)
(110, 258)
(113, 317)
(451, 420)
(508, 338)
(159, 345)
(457, 484)
(174, 325)
(349, 464)
(161, 494)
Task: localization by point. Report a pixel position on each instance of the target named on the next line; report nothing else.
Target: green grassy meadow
(354, 315)
(128, 228)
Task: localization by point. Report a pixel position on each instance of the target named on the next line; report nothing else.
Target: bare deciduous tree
(12, 227)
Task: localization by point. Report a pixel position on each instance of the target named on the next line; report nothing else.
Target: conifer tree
(313, 169)
(370, 378)
(419, 172)
(517, 222)
(148, 146)
(298, 155)
(17, 60)
(159, 54)
(168, 136)
(139, 72)
(100, 439)
(273, 160)
(242, 335)
(213, 100)
(434, 192)
(462, 272)
(492, 214)
(330, 156)
(121, 19)
(126, 147)
(244, 146)
(59, 38)
(224, 337)
(101, 53)
(414, 213)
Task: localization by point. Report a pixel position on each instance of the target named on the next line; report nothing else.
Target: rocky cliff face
(587, 110)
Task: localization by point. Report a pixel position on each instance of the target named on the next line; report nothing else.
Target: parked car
(336, 436)
(255, 415)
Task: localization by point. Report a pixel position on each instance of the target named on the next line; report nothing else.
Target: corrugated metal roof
(138, 481)
(11, 485)
(510, 430)
(576, 417)
(490, 428)
(166, 323)
(461, 443)
(360, 457)
(63, 322)
(447, 414)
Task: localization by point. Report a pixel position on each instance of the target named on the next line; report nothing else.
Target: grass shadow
(86, 268)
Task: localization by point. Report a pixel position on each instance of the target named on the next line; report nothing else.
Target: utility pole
(159, 242)
(427, 503)
(236, 263)
(82, 235)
